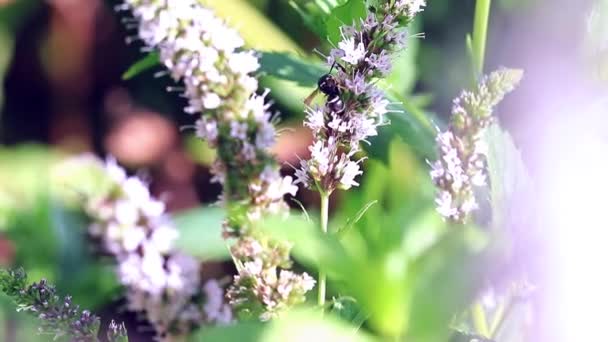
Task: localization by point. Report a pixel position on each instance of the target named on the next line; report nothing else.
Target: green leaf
(313, 14)
(351, 221)
(313, 248)
(348, 14)
(286, 66)
(150, 61)
(409, 128)
(446, 280)
(240, 332)
(347, 309)
(201, 233)
(509, 178)
(258, 30)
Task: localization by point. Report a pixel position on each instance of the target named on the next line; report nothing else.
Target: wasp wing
(308, 100)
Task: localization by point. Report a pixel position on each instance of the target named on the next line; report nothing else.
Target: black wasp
(328, 85)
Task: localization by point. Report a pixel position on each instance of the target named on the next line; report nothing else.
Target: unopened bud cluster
(58, 316)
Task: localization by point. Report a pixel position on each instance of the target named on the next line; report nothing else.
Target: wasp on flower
(354, 106)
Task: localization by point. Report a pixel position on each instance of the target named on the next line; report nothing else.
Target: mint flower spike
(132, 226)
(461, 164)
(207, 55)
(355, 108)
(59, 316)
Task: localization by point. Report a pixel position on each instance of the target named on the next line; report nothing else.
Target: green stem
(500, 317)
(322, 275)
(480, 33)
(480, 320)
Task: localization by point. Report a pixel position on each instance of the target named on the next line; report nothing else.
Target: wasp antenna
(332, 67)
(341, 67)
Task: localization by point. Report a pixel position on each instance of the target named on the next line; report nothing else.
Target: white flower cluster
(162, 283)
(202, 51)
(205, 54)
(276, 293)
(260, 277)
(459, 175)
(461, 164)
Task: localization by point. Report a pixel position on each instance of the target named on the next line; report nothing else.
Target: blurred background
(62, 91)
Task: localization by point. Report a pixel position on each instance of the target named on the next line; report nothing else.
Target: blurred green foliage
(49, 239)
(150, 61)
(349, 13)
(296, 326)
(200, 233)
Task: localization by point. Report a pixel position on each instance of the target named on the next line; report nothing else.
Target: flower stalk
(354, 107)
(322, 276)
(207, 55)
(461, 164)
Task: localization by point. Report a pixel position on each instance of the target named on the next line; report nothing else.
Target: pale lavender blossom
(461, 164)
(353, 52)
(356, 108)
(357, 84)
(132, 226)
(215, 308)
(238, 130)
(206, 129)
